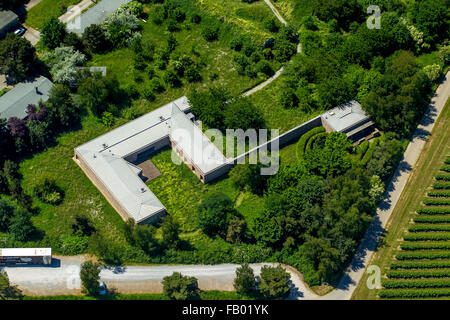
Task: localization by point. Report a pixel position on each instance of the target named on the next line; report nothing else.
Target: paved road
(367, 247)
(63, 277)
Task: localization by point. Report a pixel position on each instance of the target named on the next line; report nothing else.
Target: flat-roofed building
(109, 160)
(351, 119)
(26, 256)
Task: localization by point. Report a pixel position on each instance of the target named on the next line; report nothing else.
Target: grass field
(204, 295)
(293, 10)
(39, 14)
(430, 161)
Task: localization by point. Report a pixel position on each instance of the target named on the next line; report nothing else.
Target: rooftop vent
(142, 190)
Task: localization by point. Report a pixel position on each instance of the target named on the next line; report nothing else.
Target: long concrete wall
(284, 139)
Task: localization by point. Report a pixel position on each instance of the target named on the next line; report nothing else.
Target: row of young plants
(429, 283)
(428, 236)
(411, 246)
(418, 293)
(436, 202)
(432, 211)
(441, 185)
(432, 219)
(423, 255)
(429, 227)
(417, 274)
(433, 264)
(444, 194)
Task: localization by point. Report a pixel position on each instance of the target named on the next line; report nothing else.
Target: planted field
(422, 267)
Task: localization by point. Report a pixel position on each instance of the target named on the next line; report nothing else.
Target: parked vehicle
(20, 31)
(102, 290)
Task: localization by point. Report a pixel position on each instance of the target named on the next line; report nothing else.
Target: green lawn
(275, 115)
(204, 295)
(428, 164)
(39, 14)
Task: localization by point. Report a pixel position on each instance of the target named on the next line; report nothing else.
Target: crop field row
(422, 266)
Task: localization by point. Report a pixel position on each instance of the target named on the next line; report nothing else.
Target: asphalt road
(63, 277)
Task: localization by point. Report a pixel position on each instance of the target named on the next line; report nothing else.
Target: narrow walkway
(75, 11)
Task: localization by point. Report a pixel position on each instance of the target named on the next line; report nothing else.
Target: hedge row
(427, 236)
(369, 153)
(362, 149)
(447, 161)
(443, 193)
(429, 283)
(432, 219)
(309, 145)
(441, 185)
(416, 274)
(429, 228)
(433, 211)
(420, 265)
(446, 168)
(413, 255)
(437, 202)
(301, 144)
(443, 177)
(417, 293)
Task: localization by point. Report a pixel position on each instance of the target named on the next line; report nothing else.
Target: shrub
(210, 33)
(90, 276)
(171, 79)
(362, 149)
(179, 287)
(192, 74)
(107, 119)
(272, 24)
(53, 33)
(264, 67)
(195, 18)
(47, 191)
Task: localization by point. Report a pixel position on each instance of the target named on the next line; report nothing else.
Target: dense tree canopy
(17, 57)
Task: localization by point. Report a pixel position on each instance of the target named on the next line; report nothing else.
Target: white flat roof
(25, 252)
(345, 115)
(105, 154)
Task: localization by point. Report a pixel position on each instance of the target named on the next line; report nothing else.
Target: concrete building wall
(285, 138)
